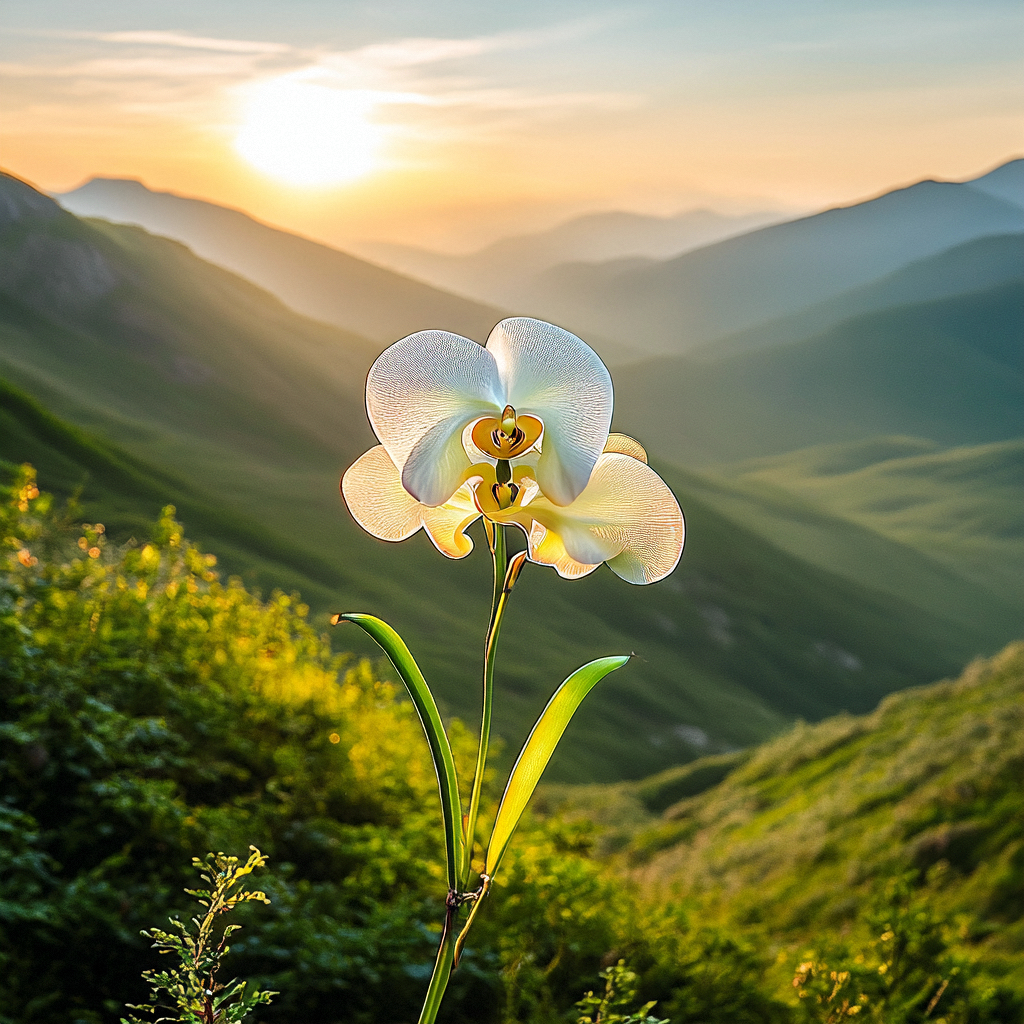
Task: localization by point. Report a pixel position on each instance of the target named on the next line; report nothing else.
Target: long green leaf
(440, 749)
(537, 751)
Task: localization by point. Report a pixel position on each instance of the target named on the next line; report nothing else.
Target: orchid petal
(546, 548)
(623, 444)
(626, 516)
(552, 374)
(420, 394)
(383, 507)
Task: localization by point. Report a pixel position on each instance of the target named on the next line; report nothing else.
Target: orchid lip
(507, 436)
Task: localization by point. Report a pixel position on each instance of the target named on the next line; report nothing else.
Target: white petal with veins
(420, 394)
(555, 376)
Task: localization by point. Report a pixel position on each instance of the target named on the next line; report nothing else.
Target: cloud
(182, 40)
(431, 87)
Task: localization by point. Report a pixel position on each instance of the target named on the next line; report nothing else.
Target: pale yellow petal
(626, 516)
(546, 548)
(623, 444)
(383, 507)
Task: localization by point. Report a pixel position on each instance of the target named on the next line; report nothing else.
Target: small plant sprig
(619, 992)
(196, 997)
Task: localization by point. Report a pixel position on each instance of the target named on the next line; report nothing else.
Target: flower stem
(505, 575)
(500, 558)
(442, 966)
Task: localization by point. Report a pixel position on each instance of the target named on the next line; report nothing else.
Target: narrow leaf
(440, 749)
(537, 751)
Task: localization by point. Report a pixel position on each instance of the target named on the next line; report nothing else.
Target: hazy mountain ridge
(501, 271)
(316, 280)
(972, 266)
(733, 285)
(1004, 182)
(949, 370)
(732, 644)
(629, 306)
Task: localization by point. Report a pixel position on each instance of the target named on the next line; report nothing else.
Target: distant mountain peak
(1004, 182)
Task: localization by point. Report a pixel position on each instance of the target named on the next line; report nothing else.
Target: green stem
(490, 648)
(505, 576)
(442, 967)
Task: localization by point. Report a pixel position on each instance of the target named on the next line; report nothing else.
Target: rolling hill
(798, 836)
(960, 506)
(191, 374)
(316, 280)
(949, 371)
(679, 304)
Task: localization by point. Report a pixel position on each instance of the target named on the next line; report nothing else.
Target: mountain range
(604, 276)
(676, 305)
(313, 279)
(501, 270)
(151, 376)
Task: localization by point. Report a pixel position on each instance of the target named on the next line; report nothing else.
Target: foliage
(908, 974)
(147, 711)
(150, 711)
(619, 992)
(198, 997)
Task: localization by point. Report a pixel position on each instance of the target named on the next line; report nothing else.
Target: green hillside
(190, 374)
(794, 840)
(150, 711)
(960, 506)
(962, 580)
(948, 370)
(731, 647)
(112, 487)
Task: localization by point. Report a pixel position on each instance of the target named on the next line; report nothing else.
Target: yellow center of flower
(502, 490)
(507, 436)
(505, 494)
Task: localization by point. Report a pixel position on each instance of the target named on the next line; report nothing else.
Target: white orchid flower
(517, 432)
(531, 379)
(625, 516)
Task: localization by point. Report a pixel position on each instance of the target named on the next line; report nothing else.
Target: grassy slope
(951, 548)
(960, 506)
(728, 645)
(798, 831)
(192, 370)
(126, 494)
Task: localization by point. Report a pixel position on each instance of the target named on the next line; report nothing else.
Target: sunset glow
(307, 134)
(449, 127)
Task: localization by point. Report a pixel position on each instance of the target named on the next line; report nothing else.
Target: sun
(308, 134)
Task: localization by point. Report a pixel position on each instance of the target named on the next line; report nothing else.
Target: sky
(453, 123)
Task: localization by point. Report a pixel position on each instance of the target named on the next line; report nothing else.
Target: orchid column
(515, 432)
